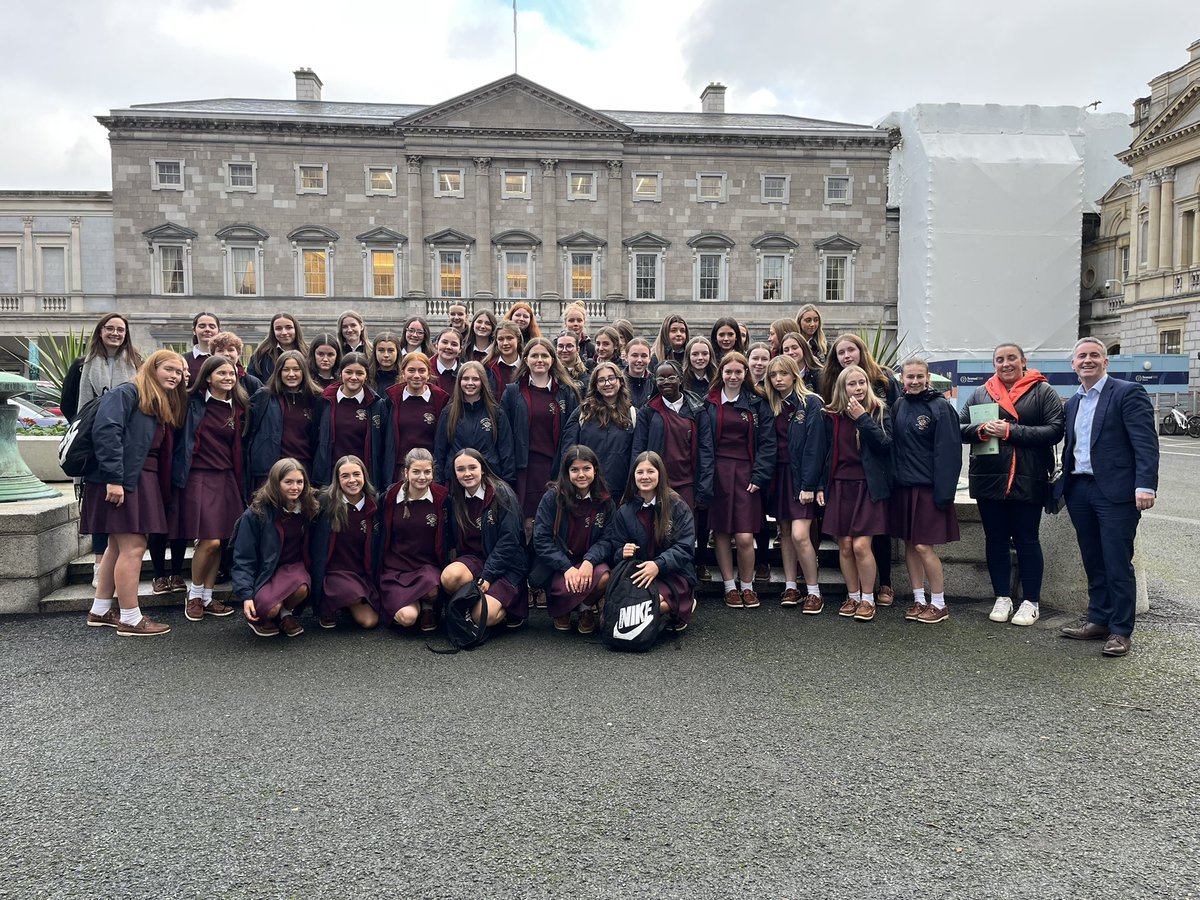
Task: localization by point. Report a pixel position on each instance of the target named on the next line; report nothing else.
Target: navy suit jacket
(1124, 441)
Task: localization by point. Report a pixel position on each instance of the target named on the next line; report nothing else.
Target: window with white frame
(382, 251)
(171, 270)
(514, 184)
(516, 274)
(1124, 262)
(54, 269)
(710, 187)
(837, 189)
(170, 260)
(582, 275)
(241, 176)
(710, 276)
(315, 268)
(10, 270)
(647, 275)
(772, 277)
(448, 183)
(451, 273)
(835, 278)
(581, 185)
(775, 188)
(383, 273)
(312, 178)
(1143, 240)
(167, 174)
(381, 181)
(1170, 339)
(647, 186)
(244, 266)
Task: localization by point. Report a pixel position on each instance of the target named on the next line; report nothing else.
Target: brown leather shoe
(865, 611)
(327, 622)
(587, 620)
(193, 609)
(931, 615)
(791, 597)
(750, 599)
(913, 613)
(264, 628)
(733, 599)
(762, 573)
(110, 619)
(143, 627)
(848, 608)
(290, 626)
(562, 623)
(176, 584)
(813, 605)
(160, 586)
(1117, 645)
(539, 599)
(218, 609)
(427, 620)
(1084, 631)
(885, 597)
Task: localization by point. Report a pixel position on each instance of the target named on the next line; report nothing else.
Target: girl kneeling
(346, 546)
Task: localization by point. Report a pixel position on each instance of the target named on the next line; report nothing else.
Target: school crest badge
(429, 418)
(377, 420)
(363, 526)
(491, 517)
(922, 423)
(799, 416)
(431, 520)
(361, 415)
(486, 424)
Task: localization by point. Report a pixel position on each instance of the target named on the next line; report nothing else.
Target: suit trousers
(1105, 531)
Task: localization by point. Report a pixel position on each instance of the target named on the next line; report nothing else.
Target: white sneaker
(1001, 610)
(1027, 614)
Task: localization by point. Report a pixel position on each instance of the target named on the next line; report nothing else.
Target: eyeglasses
(611, 379)
(113, 329)
(416, 331)
(666, 378)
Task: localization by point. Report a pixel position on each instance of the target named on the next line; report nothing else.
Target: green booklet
(980, 413)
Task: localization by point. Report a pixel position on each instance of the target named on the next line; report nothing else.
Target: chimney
(712, 98)
(308, 85)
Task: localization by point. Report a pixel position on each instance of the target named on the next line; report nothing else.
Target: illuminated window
(316, 282)
(448, 183)
(516, 274)
(450, 273)
(583, 268)
(647, 186)
(581, 185)
(381, 180)
(383, 273)
(515, 184)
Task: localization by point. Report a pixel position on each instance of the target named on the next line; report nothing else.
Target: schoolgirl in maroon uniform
(345, 547)
(642, 383)
(353, 332)
(416, 406)
(521, 314)
(672, 341)
(324, 358)
(726, 337)
(271, 562)
(283, 419)
(417, 338)
(566, 348)
(205, 326)
(482, 333)
(351, 423)
(654, 525)
(673, 425)
(743, 430)
(504, 358)
(811, 329)
(700, 367)
(385, 361)
(575, 321)
(568, 539)
(487, 539)
(604, 421)
(445, 365)
(757, 356)
(208, 478)
(283, 334)
(474, 418)
(858, 483)
(123, 495)
(416, 541)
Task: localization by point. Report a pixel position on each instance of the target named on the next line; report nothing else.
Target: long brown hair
(238, 394)
(493, 354)
(271, 495)
(662, 349)
(458, 497)
(334, 499)
(594, 406)
(733, 356)
(275, 386)
(564, 492)
(557, 370)
(268, 347)
(833, 368)
(664, 496)
(822, 348)
(167, 408)
(454, 409)
(368, 347)
(95, 347)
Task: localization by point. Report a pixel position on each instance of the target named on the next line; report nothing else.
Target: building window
(448, 183)
(835, 278)
(383, 273)
(647, 186)
(381, 181)
(170, 270)
(647, 276)
(316, 272)
(168, 174)
(514, 184)
(1143, 241)
(170, 248)
(581, 185)
(515, 277)
(241, 176)
(776, 188)
(837, 189)
(583, 276)
(1124, 265)
(710, 186)
(1170, 340)
(312, 179)
(243, 273)
(710, 276)
(10, 271)
(772, 277)
(450, 273)
(1187, 236)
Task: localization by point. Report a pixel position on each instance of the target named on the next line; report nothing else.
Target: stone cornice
(1152, 138)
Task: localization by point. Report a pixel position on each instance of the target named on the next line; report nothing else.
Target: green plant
(41, 430)
(884, 349)
(56, 352)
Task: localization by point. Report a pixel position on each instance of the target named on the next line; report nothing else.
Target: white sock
(100, 606)
(730, 585)
(131, 616)
(207, 596)
(855, 596)
(747, 585)
(814, 589)
(919, 595)
(194, 590)
(868, 598)
(789, 585)
(939, 601)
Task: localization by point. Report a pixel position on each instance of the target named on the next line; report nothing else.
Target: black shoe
(222, 576)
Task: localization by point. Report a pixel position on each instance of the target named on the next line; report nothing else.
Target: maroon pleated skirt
(279, 587)
(850, 511)
(561, 602)
(914, 517)
(733, 509)
(141, 512)
(531, 483)
(209, 507)
(514, 599)
(678, 594)
(782, 502)
(400, 589)
(342, 589)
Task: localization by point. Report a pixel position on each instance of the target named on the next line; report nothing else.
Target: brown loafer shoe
(848, 608)
(218, 609)
(266, 628)
(865, 611)
(110, 619)
(562, 623)
(885, 597)
(913, 613)
(160, 586)
(193, 609)
(290, 626)
(702, 573)
(1117, 645)
(762, 573)
(177, 584)
(327, 622)
(733, 599)
(427, 620)
(931, 615)
(539, 599)
(1084, 631)
(750, 600)
(587, 621)
(813, 605)
(143, 627)
(791, 597)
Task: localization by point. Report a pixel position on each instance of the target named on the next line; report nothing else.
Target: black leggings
(157, 544)
(1013, 523)
(881, 549)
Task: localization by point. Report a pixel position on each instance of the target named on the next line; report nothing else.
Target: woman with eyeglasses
(604, 421)
(672, 425)
(416, 337)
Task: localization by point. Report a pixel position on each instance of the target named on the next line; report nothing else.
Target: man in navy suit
(1110, 474)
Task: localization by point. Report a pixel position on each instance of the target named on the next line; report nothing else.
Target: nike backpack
(632, 620)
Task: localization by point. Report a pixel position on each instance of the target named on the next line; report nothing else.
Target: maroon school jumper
(679, 449)
(849, 509)
(346, 581)
(733, 510)
(296, 439)
(414, 422)
(580, 525)
(545, 428)
(413, 557)
(445, 380)
(470, 533)
(195, 364)
(211, 502)
(672, 588)
(505, 374)
(352, 422)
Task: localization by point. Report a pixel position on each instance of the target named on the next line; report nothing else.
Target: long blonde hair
(168, 408)
(335, 499)
(874, 405)
(799, 388)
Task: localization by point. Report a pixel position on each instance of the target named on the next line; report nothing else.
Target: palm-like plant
(885, 350)
(55, 354)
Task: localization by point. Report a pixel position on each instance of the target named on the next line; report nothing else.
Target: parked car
(30, 414)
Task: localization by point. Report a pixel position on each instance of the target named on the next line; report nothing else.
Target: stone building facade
(1141, 268)
(507, 192)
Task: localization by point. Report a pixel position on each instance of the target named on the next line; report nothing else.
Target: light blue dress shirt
(1083, 426)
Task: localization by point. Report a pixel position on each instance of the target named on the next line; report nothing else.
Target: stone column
(484, 277)
(549, 281)
(1166, 227)
(1155, 215)
(1196, 241)
(29, 283)
(74, 277)
(417, 284)
(1131, 216)
(615, 281)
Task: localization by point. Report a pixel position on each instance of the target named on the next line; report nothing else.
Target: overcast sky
(851, 60)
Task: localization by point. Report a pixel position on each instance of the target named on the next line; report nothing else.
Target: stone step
(78, 597)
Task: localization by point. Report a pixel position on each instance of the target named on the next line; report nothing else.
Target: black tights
(157, 544)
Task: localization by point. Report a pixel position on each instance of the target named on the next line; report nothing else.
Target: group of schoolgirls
(491, 448)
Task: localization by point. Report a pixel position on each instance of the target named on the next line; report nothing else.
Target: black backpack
(632, 620)
(76, 455)
(461, 630)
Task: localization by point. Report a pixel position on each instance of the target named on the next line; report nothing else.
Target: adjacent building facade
(509, 192)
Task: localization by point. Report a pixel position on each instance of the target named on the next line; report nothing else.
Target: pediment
(837, 243)
(1120, 188)
(241, 233)
(711, 240)
(516, 237)
(774, 240)
(647, 240)
(381, 235)
(1183, 111)
(512, 104)
(169, 232)
(582, 239)
(450, 237)
(313, 233)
